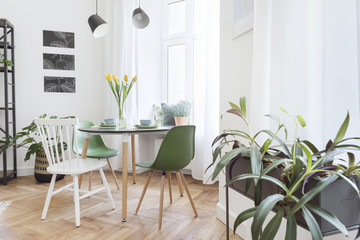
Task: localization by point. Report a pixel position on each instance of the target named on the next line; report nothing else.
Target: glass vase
(122, 118)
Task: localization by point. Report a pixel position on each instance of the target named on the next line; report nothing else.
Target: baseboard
(25, 171)
(244, 228)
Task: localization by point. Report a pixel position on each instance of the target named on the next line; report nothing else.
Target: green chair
(96, 149)
(175, 153)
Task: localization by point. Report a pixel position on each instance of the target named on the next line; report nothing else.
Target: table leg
(125, 144)
(84, 151)
(133, 158)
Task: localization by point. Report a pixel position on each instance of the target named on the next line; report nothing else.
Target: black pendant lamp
(140, 19)
(98, 26)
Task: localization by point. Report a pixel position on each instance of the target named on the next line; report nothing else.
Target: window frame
(185, 38)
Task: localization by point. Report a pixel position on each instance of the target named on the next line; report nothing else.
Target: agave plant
(299, 160)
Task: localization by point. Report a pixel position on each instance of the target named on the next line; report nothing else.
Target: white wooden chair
(56, 136)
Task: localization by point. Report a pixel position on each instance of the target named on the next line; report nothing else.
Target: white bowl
(145, 122)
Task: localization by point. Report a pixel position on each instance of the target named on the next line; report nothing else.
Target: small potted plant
(182, 112)
(29, 139)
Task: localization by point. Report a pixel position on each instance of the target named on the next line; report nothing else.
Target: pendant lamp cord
(139, 3)
(96, 7)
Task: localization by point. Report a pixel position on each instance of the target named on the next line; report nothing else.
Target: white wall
(30, 18)
(149, 59)
(235, 81)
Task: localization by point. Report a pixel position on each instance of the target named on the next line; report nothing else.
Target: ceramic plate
(146, 127)
(106, 125)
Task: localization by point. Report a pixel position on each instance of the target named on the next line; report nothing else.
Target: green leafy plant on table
(182, 109)
(299, 160)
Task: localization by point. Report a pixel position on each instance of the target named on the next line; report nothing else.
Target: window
(178, 50)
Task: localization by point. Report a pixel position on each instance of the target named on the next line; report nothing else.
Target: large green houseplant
(29, 138)
(298, 161)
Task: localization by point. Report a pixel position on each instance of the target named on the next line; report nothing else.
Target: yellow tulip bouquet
(121, 90)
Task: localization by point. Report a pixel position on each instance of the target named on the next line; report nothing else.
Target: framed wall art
(243, 17)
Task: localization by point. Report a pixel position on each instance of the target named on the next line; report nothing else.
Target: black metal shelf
(7, 45)
(8, 123)
(3, 70)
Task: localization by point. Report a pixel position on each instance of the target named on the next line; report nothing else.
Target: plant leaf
(273, 165)
(266, 145)
(283, 110)
(313, 192)
(226, 159)
(243, 105)
(312, 224)
(315, 173)
(261, 213)
(234, 106)
(311, 146)
(290, 227)
(238, 113)
(248, 213)
(265, 177)
(328, 216)
(255, 158)
(301, 120)
(341, 133)
(273, 117)
(273, 226)
(351, 159)
(281, 142)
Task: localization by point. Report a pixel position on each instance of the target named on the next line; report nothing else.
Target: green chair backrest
(96, 141)
(176, 150)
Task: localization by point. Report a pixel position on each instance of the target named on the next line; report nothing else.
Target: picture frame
(243, 18)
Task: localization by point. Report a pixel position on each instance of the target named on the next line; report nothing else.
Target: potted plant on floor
(299, 161)
(182, 112)
(29, 139)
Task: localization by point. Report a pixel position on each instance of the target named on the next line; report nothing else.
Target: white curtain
(306, 61)
(121, 58)
(206, 85)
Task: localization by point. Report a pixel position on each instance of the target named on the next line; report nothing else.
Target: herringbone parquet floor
(22, 219)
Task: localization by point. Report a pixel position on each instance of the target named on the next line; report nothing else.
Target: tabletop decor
(182, 112)
(121, 91)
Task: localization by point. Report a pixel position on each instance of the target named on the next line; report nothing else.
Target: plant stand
(332, 199)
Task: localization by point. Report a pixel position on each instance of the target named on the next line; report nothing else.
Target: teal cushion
(168, 114)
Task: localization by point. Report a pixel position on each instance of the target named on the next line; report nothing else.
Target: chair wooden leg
(107, 188)
(90, 177)
(169, 180)
(100, 176)
(133, 158)
(161, 199)
(48, 197)
(76, 200)
(188, 193)
(113, 173)
(144, 191)
(179, 184)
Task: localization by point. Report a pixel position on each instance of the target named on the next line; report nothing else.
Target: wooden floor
(22, 219)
